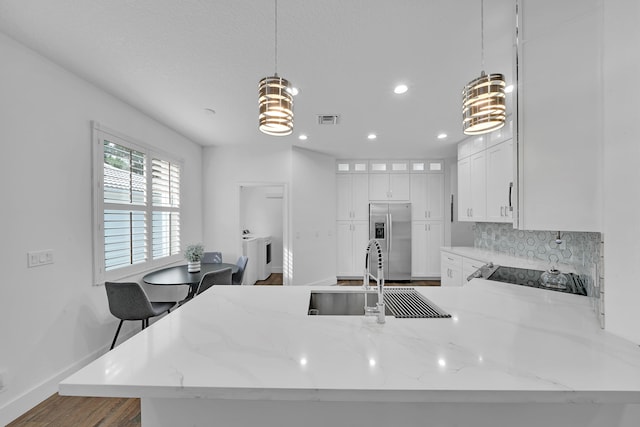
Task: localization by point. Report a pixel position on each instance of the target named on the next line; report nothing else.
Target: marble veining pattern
(503, 343)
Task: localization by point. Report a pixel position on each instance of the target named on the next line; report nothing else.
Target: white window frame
(99, 133)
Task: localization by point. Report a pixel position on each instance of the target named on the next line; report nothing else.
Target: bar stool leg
(116, 337)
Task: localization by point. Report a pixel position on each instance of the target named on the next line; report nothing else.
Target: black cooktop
(526, 277)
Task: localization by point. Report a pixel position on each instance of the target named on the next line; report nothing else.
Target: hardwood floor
(274, 279)
(67, 411)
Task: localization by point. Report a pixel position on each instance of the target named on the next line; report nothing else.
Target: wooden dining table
(179, 275)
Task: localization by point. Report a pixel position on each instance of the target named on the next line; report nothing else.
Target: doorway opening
(263, 222)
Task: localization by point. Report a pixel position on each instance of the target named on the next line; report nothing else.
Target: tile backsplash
(581, 250)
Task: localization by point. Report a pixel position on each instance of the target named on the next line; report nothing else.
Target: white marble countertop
(504, 343)
(500, 258)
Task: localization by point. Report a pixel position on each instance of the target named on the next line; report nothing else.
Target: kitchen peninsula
(509, 355)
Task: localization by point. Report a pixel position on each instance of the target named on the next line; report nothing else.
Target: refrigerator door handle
(390, 222)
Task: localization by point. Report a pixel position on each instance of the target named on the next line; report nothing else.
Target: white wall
(225, 169)
(262, 213)
(310, 181)
(313, 218)
(622, 174)
(53, 319)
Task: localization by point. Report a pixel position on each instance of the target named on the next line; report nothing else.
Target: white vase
(193, 266)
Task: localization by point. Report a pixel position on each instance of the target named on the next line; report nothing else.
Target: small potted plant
(194, 254)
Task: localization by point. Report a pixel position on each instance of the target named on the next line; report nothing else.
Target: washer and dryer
(264, 257)
(258, 249)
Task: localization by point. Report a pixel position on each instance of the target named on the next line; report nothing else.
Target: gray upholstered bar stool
(217, 278)
(242, 265)
(128, 301)
(212, 258)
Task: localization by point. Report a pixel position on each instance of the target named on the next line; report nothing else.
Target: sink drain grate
(408, 303)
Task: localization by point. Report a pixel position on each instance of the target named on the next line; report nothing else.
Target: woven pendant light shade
(483, 104)
(276, 106)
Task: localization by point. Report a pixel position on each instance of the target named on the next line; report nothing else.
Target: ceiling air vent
(328, 119)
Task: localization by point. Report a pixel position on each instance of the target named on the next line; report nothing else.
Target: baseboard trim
(37, 394)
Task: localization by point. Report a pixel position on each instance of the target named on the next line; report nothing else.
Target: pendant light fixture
(275, 99)
(483, 99)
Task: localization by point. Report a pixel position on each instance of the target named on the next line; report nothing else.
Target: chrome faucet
(378, 310)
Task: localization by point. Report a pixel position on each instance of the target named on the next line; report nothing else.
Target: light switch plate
(38, 258)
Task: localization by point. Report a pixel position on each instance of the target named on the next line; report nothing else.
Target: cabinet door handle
(510, 188)
(471, 212)
(501, 210)
(425, 214)
(425, 227)
(428, 214)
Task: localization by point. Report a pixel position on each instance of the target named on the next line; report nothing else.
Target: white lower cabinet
(352, 238)
(451, 269)
(456, 268)
(426, 239)
(470, 266)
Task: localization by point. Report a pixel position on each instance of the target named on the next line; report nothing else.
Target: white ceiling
(173, 59)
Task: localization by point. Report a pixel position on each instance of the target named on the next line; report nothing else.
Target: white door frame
(287, 266)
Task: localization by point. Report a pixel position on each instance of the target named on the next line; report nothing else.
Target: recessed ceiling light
(400, 89)
(302, 137)
(372, 136)
(508, 89)
(442, 135)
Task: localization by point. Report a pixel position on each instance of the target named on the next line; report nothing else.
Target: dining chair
(212, 258)
(218, 277)
(242, 265)
(128, 301)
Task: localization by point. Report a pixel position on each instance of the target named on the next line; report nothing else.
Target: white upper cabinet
(427, 196)
(560, 115)
(500, 182)
(435, 197)
(352, 197)
(390, 186)
(472, 190)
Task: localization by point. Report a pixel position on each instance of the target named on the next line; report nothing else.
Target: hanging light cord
(481, 33)
(276, 37)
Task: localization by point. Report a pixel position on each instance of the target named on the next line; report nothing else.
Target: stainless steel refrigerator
(390, 224)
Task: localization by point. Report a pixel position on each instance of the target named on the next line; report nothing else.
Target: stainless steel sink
(399, 302)
(341, 303)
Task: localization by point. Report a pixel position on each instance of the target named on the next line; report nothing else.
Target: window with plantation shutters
(136, 207)
(165, 193)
